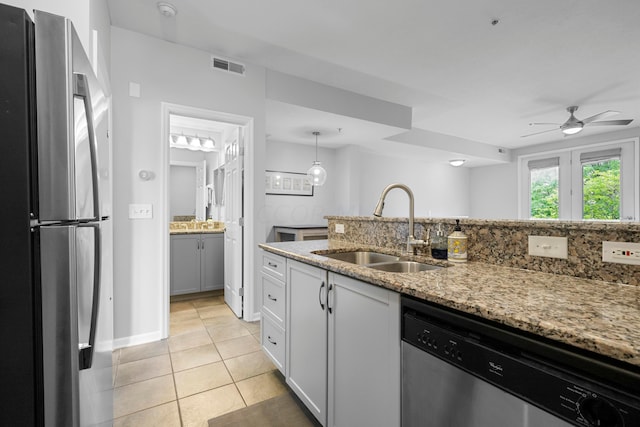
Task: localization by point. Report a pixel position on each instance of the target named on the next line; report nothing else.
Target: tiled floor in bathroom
(210, 365)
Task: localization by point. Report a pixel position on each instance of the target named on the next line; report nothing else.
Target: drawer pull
(272, 298)
(272, 265)
(271, 341)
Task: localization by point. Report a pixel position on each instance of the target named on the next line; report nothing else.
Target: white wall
(296, 210)
(439, 190)
(493, 192)
(175, 74)
(348, 171)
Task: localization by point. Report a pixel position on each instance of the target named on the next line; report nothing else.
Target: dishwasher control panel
(550, 387)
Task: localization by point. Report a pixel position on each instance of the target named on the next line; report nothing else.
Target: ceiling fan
(573, 125)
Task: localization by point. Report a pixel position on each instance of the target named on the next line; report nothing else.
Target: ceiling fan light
(572, 129)
(457, 162)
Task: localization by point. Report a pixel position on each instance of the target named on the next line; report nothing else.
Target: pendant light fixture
(316, 172)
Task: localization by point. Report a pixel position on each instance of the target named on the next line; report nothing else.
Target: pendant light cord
(316, 133)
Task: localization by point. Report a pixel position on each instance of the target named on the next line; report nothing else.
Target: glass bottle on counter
(439, 244)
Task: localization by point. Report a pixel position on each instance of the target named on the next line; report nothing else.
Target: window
(599, 182)
(544, 175)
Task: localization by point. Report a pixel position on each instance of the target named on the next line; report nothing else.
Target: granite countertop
(197, 231)
(195, 227)
(598, 316)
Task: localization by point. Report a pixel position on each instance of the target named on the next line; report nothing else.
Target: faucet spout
(411, 240)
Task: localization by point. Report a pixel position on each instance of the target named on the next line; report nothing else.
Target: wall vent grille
(228, 66)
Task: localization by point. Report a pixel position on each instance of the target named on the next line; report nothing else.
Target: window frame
(570, 181)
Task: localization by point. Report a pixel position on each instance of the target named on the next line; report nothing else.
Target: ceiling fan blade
(538, 133)
(546, 124)
(602, 115)
(611, 123)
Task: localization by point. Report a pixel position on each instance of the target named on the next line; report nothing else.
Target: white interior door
(233, 186)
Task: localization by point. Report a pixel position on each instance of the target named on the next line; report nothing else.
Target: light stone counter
(196, 227)
(598, 316)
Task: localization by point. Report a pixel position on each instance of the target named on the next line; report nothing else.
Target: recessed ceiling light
(167, 9)
(457, 162)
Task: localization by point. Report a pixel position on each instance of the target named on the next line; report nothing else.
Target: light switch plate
(621, 252)
(134, 90)
(547, 246)
(140, 211)
(340, 228)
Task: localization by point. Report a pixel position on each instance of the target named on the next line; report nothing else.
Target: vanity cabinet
(343, 347)
(197, 262)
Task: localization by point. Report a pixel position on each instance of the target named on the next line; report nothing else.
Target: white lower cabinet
(343, 347)
(306, 359)
(364, 354)
(272, 278)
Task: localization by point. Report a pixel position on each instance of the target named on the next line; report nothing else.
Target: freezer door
(71, 106)
(95, 324)
(77, 327)
(59, 325)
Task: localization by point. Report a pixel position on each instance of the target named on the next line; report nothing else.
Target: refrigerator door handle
(81, 90)
(86, 350)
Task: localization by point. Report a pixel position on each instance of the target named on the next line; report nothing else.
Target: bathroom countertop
(196, 227)
(198, 231)
(597, 316)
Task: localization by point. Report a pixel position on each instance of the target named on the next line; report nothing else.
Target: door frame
(166, 109)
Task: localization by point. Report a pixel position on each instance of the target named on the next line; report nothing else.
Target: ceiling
(462, 75)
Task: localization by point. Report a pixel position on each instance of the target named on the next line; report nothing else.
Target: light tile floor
(210, 365)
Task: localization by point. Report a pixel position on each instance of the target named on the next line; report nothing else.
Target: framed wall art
(287, 183)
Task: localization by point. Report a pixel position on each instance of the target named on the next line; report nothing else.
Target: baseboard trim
(136, 340)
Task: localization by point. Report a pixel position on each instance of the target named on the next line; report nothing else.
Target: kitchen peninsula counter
(597, 316)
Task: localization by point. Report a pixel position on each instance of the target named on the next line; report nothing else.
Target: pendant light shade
(316, 172)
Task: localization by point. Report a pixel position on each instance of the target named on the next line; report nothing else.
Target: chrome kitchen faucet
(411, 239)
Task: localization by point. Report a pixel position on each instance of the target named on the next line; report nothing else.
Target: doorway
(236, 137)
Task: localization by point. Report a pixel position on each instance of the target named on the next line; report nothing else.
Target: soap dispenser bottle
(457, 245)
(439, 244)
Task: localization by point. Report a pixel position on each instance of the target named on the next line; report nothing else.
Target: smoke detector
(167, 9)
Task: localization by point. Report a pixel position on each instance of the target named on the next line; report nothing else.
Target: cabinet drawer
(273, 296)
(273, 265)
(273, 341)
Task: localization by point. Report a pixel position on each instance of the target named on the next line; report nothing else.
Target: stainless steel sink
(404, 267)
(362, 257)
(383, 262)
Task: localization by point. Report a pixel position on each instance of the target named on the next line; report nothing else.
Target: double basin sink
(383, 262)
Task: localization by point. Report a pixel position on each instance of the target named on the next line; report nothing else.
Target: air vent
(228, 66)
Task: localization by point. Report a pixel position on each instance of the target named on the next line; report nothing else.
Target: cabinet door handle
(198, 244)
(330, 298)
(272, 298)
(320, 296)
(270, 264)
(271, 341)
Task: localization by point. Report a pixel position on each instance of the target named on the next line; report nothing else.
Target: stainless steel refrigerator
(56, 314)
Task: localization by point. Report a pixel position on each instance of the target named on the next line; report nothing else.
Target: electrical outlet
(621, 252)
(547, 246)
(340, 228)
(140, 211)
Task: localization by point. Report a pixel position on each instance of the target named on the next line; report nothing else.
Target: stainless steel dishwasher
(459, 370)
